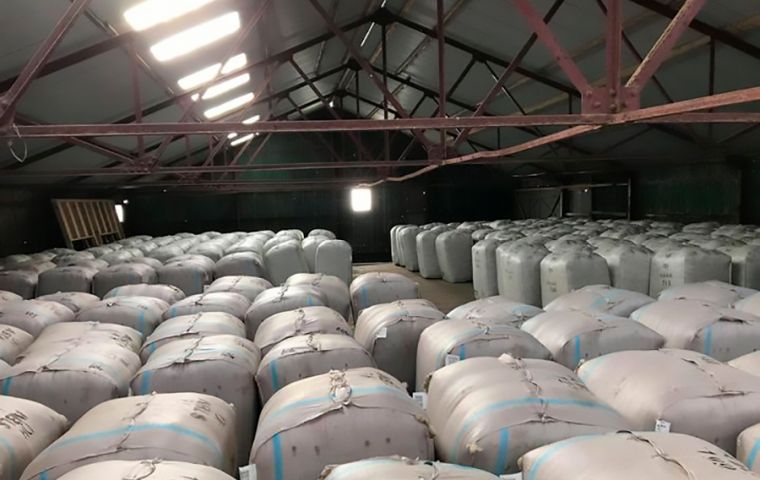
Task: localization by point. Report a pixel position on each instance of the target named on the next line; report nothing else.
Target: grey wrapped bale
(227, 302)
(143, 314)
(249, 287)
(168, 293)
(301, 321)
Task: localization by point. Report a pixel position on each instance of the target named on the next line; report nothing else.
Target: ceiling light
(196, 37)
(252, 119)
(232, 135)
(195, 97)
(227, 85)
(207, 74)
(240, 140)
(361, 199)
(152, 12)
(219, 110)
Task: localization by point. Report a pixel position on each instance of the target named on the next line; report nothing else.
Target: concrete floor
(446, 296)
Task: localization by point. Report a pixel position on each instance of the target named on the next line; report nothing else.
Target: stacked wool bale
(685, 391)
(488, 412)
(154, 469)
(184, 427)
(143, 314)
(499, 309)
(227, 302)
(633, 456)
(390, 332)
(400, 468)
(364, 413)
(280, 299)
(218, 365)
(72, 367)
(301, 321)
(186, 327)
(601, 298)
(380, 287)
(33, 316)
(249, 287)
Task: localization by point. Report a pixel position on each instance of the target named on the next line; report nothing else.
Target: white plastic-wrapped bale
(601, 298)
(13, 341)
(380, 287)
(334, 289)
(488, 412)
(66, 279)
(302, 321)
(247, 244)
(481, 233)
(220, 365)
(629, 266)
(499, 309)
(192, 327)
(68, 332)
(719, 293)
(309, 246)
(454, 250)
(745, 265)
(518, 271)
(573, 337)
(33, 316)
(226, 302)
(285, 259)
(28, 428)
(676, 267)
(408, 244)
(213, 251)
(558, 246)
(394, 248)
(238, 264)
(450, 341)
(722, 333)
(396, 241)
(155, 469)
(400, 468)
(364, 412)
(21, 282)
(189, 276)
(73, 257)
(74, 301)
(335, 258)
(249, 287)
(143, 314)
(163, 254)
(168, 293)
(427, 258)
(484, 277)
(306, 356)
(185, 427)
(694, 393)
(391, 333)
(280, 299)
(661, 244)
(71, 377)
(568, 270)
(321, 232)
(633, 456)
(123, 274)
(117, 257)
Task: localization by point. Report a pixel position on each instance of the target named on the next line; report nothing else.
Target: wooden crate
(88, 223)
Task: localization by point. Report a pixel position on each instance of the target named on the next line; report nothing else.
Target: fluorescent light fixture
(332, 103)
(120, 212)
(242, 139)
(196, 37)
(228, 106)
(252, 119)
(232, 135)
(361, 199)
(207, 74)
(235, 63)
(152, 12)
(225, 86)
(195, 97)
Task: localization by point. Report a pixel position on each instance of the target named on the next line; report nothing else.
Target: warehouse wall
(28, 222)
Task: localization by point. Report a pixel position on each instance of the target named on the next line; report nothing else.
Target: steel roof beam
(723, 36)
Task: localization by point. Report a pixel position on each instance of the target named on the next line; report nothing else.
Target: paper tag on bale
(248, 472)
(512, 476)
(382, 333)
(662, 426)
(421, 398)
(451, 359)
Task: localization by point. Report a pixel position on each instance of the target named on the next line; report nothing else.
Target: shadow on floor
(446, 296)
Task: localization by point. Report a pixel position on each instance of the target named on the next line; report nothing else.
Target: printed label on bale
(451, 359)
(662, 426)
(421, 398)
(383, 333)
(248, 472)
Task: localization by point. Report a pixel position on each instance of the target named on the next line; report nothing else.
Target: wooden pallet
(87, 223)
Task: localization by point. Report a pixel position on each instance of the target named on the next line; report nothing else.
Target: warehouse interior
(506, 164)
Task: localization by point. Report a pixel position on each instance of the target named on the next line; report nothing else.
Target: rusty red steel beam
(614, 47)
(562, 57)
(282, 126)
(362, 151)
(664, 45)
(40, 57)
(441, 33)
(723, 36)
(702, 103)
(513, 66)
(136, 96)
(365, 65)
